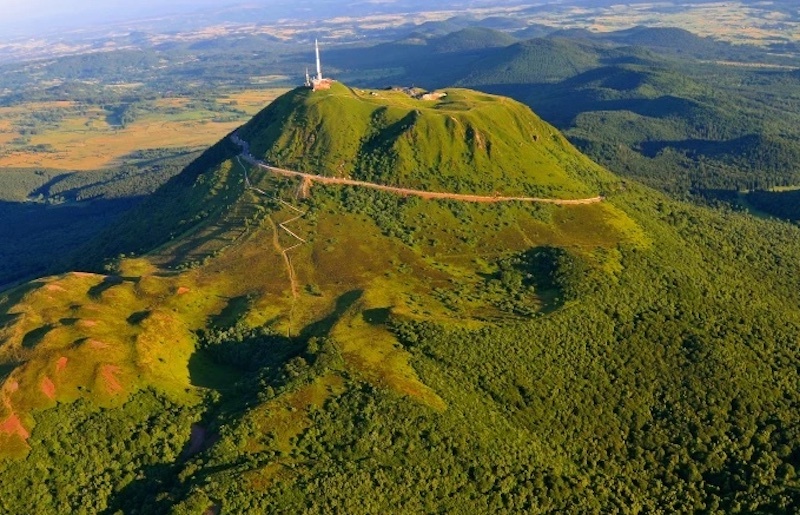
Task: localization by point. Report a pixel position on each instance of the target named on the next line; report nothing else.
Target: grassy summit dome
(463, 141)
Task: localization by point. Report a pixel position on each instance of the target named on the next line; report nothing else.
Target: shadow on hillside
(7, 368)
(106, 284)
(203, 244)
(237, 362)
(35, 336)
(44, 189)
(38, 239)
(562, 102)
(12, 297)
(784, 205)
(231, 313)
(547, 271)
(145, 492)
(323, 327)
(771, 153)
(158, 487)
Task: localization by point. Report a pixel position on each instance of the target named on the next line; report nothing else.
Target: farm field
(736, 22)
(75, 136)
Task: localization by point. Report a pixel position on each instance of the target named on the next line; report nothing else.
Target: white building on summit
(317, 82)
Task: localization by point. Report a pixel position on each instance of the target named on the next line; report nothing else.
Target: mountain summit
(454, 139)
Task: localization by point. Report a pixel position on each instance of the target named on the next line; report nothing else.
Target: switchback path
(309, 177)
(276, 242)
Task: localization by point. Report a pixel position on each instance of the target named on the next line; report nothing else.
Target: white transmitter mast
(317, 82)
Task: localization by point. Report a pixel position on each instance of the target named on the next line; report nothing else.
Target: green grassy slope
(659, 105)
(465, 142)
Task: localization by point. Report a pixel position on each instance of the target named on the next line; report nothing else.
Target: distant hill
(533, 31)
(680, 40)
(672, 40)
(243, 43)
(533, 61)
(471, 39)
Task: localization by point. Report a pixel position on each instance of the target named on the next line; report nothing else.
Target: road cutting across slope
(463, 197)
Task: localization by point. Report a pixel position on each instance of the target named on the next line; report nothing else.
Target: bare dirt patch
(183, 290)
(97, 344)
(13, 426)
(48, 388)
(61, 364)
(109, 379)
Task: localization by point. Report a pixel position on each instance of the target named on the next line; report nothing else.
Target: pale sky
(46, 15)
(27, 9)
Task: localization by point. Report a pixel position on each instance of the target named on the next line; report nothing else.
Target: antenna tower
(319, 65)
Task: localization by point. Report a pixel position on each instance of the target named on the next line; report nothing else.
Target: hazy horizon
(46, 17)
(53, 19)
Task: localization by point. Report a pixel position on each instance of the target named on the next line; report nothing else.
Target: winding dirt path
(276, 241)
(286, 260)
(463, 197)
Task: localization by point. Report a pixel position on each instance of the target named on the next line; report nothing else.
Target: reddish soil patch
(111, 382)
(213, 510)
(54, 287)
(97, 344)
(61, 364)
(87, 323)
(13, 426)
(83, 274)
(183, 289)
(12, 386)
(48, 388)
